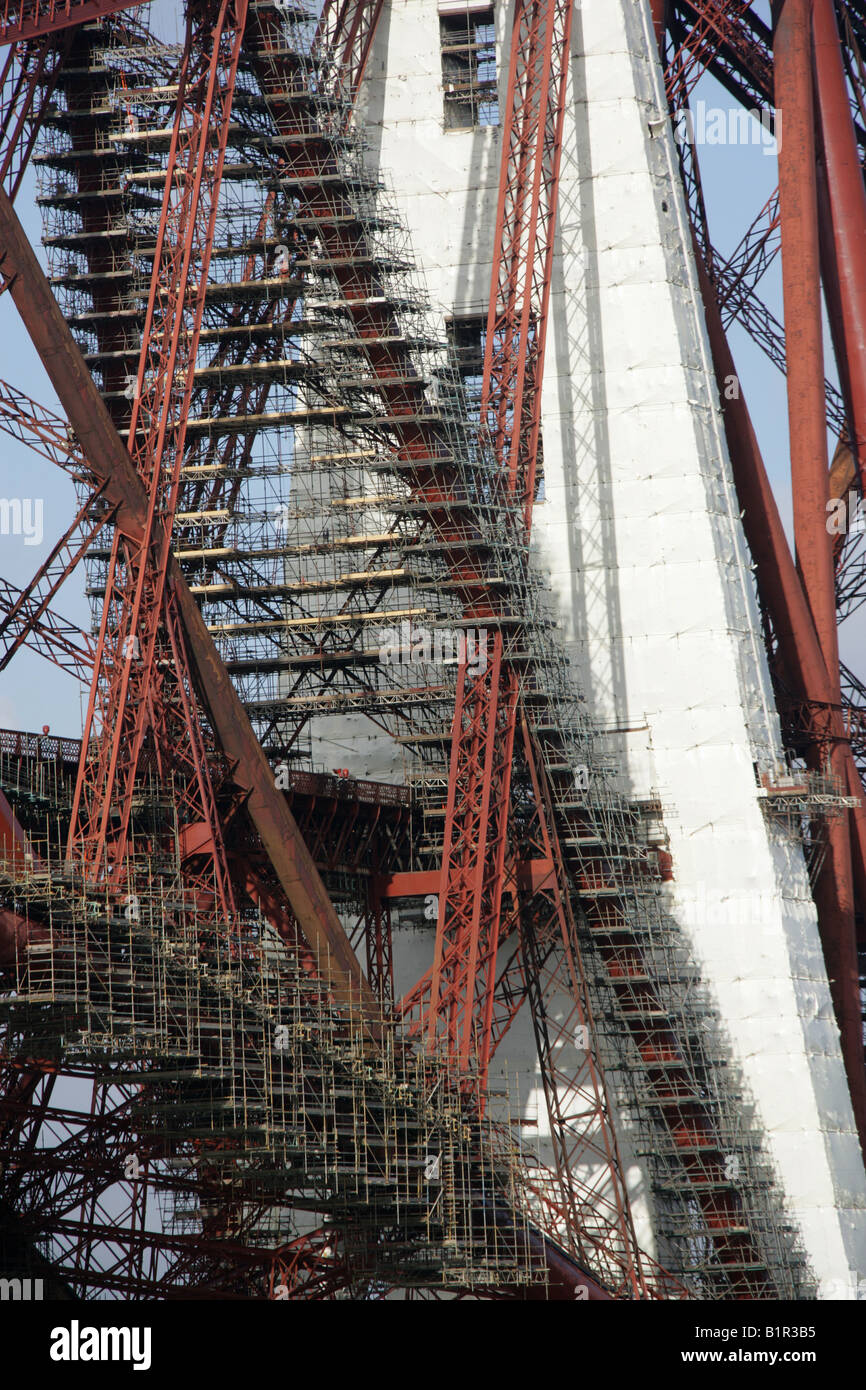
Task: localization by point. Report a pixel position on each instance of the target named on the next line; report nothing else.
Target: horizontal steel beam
(532, 874)
(32, 19)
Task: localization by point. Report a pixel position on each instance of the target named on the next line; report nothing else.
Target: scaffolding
(805, 802)
(336, 488)
(248, 1082)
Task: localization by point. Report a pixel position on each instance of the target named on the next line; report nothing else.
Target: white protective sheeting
(640, 536)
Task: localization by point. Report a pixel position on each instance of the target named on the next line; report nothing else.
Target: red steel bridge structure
(181, 858)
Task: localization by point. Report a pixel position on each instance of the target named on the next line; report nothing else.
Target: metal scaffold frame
(286, 494)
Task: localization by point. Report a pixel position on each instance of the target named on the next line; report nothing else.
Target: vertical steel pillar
(779, 584)
(658, 13)
(834, 893)
(847, 197)
(378, 940)
(802, 297)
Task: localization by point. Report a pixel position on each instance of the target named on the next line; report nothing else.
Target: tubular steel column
(780, 586)
(658, 8)
(847, 197)
(803, 325)
(810, 483)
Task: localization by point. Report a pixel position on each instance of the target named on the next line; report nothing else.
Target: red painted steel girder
(39, 428)
(726, 38)
(483, 730)
(58, 639)
(30, 19)
(781, 586)
(474, 858)
(834, 892)
(658, 13)
(27, 82)
(109, 462)
(139, 620)
(735, 278)
(847, 207)
(524, 240)
(804, 337)
(31, 608)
